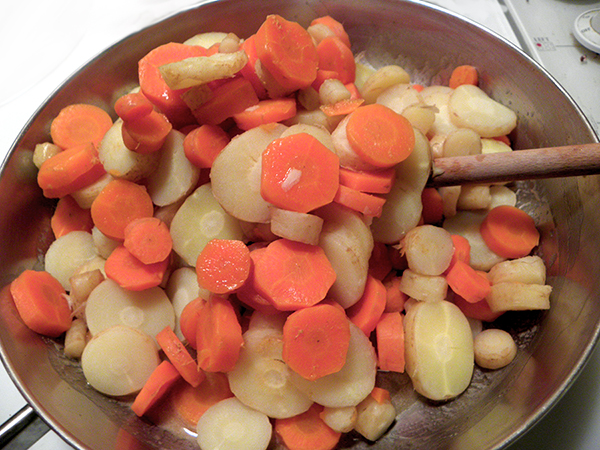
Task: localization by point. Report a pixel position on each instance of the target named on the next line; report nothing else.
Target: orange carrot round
(118, 204)
(148, 239)
(79, 124)
(247, 293)
(374, 181)
(69, 216)
(336, 56)
(509, 232)
(266, 111)
(335, 26)
(146, 134)
(307, 431)
(462, 250)
(380, 136)
(41, 303)
(159, 383)
(223, 265)
(368, 310)
(132, 274)
(203, 144)
(133, 106)
(179, 356)
(470, 284)
(316, 341)
(390, 342)
(228, 98)
(249, 70)
(368, 204)
(188, 320)
(465, 74)
(299, 173)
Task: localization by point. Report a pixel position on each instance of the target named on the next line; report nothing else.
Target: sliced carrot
(394, 297)
(462, 250)
(323, 75)
(179, 356)
(223, 265)
(148, 239)
(133, 106)
(249, 70)
(299, 173)
(316, 341)
(335, 26)
(368, 310)
(146, 134)
(380, 136)
(433, 206)
(418, 87)
(266, 111)
(292, 275)
(41, 302)
(307, 431)
(390, 342)
(132, 274)
(287, 51)
(368, 204)
(465, 74)
(354, 92)
(342, 108)
(509, 232)
(373, 181)
(79, 124)
(155, 388)
(118, 204)
(247, 293)
(335, 55)
(70, 170)
(69, 216)
(380, 395)
(380, 264)
(230, 98)
(188, 320)
(479, 310)
(203, 144)
(219, 336)
(470, 284)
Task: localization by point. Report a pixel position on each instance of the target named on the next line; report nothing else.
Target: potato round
(67, 253)
(494, 348)
(428, 249)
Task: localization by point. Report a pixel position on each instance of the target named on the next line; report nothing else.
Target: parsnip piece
(109, 304)
(236, 173)
(470, 107)
(347, 243)
(119, 360)
(399, 97)
(529, 270)
(319, 31)
(426, 288)
(175, 176)
(439, 349)
(67, 253)
(207, 39)
(269, 322)
(316, 118)
(44, 151)
(200, 219)
(199, 70)
(348, 157)
(462, 142)
(181, 289)
(515, 296)
(374, 418)
(501, 195)
(382, 79)
(341, 420)
(494, 349)
(82, 284)
(231, 425)
(428, 249)
(86, 196)
(230, 44)
(121, 162)
(438, 97)
(450, 196)
(96, 263)
(474, 196)
(363, 72)
(296, 226)
(420, 116)
(352, 383)
(75, 339)
(104, 245)
(319, 133)
(309, 98)
(332, 91)
(494, 146)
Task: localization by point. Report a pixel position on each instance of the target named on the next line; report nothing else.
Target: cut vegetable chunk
(132, 274)
(390, 342)
(223, 265)
(79, 124)
(156, 387)
(307, 431)
(179, 356)
(509, 231)
(148, 239)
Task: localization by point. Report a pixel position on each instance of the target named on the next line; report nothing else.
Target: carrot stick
(219, 336)
(380, 264)
(79, 124)
(299, 173)
(394, 297)
(287, 51)
(266, 111)
(336, 56)
(146, 134)
(373, 182)
(479, 310)
(433, 206)
(380, 136)
(188, 320)
(223, 265)
(368, 204)
(316, 341)
(249, 70)
(307, 431)
(41, 303)
(509, 232)
(470, 284)
(118, 204)
(465, 74)
(179, 356)
(368, 310)
(155, 388)
(132, 274)
(293, 275)
(70, 170)
(247, 293)
(69, 216)
(342, 108)
(148, 239)
(335, 26)
(203, 144)
(390, 342)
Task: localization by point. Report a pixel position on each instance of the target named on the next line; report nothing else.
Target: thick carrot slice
(146, 134)
(299, 173)
(380, 136)
(69, 216)
(70, 170)
(188, 320)
(373, 182)
(394, 297)
(368, 204)
(380, 264)
(479, 310)
(247, 293)
(336, 56)
(79, 124)
(462, 250)
(323, 75)
(293, 275)
(342, 108)
(433, 206)
(134, 106)
(219, 336)
(390, 342)
(465, 74)
(41, 302)
(159, 383)
(307, 431)
(132, 274)
(368, 310)
(354, 92)
(249, 70)
(266, 111)
(148, 239)
(118, 204)
(335, 26)
(229, 98)
(470, 284)
(380, 395)
(287, 51)
(223, 265)
(316, 341)
(179, 356)
(509, 232)
(203, 144)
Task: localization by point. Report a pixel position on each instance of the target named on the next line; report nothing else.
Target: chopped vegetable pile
(252, 239)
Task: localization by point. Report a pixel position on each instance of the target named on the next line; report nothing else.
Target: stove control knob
(587, 29)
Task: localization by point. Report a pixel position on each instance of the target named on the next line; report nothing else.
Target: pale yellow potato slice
(382, 79)
(516, 296)
(428, 249)
(474, 196)
(529, 269)
(341, 419)
(438, 97)
(462, 142)
(67, 253)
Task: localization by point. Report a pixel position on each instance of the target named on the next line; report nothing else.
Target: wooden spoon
(549, 162)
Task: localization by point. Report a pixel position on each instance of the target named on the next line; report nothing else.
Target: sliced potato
(529, 269)
(515, 296)
(206, 40)
(462, 142)
(382, 79)
(399, 97)
(86, 196)
(474, 196)
(67, 253)
(494, 146)
(438, 97)
(420, 116)
(374, 418)
(341, 420)
(428, 249)
(501, 195)
(300, 227)
(426, 288)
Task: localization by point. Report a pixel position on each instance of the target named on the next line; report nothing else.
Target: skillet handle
(25, 418)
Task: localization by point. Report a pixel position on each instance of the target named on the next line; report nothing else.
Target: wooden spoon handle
(550, 162)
